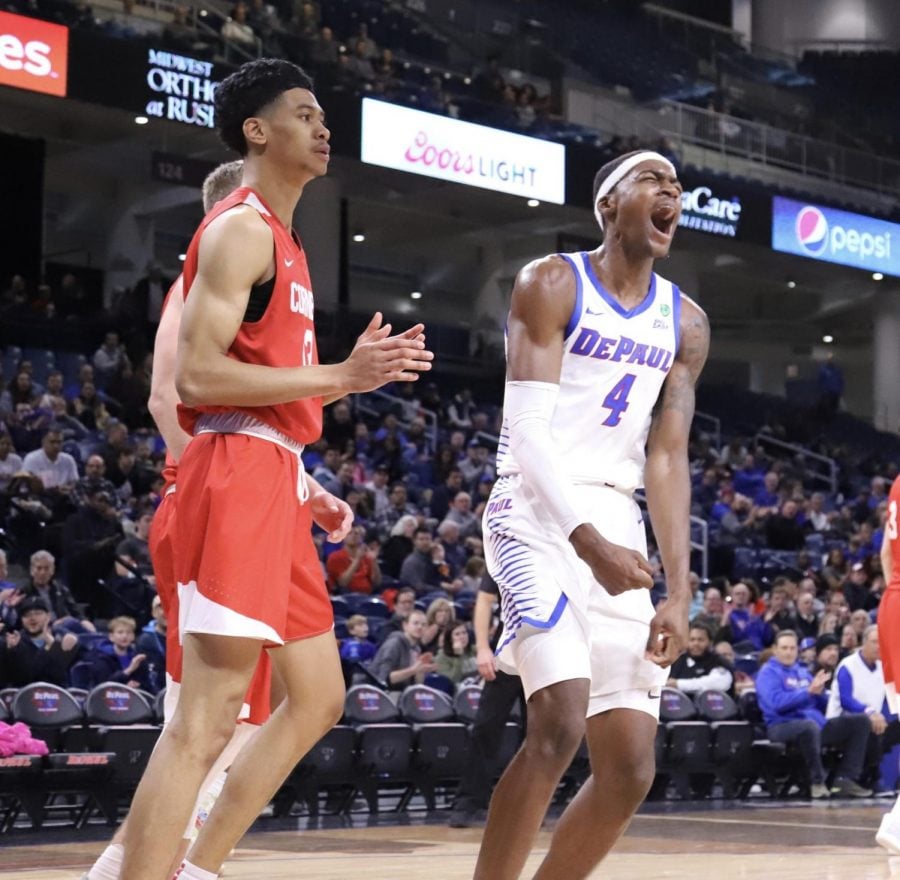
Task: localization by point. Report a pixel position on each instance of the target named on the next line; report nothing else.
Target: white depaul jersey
(614, 364)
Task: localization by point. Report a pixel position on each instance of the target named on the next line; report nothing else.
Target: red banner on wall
(34, 54)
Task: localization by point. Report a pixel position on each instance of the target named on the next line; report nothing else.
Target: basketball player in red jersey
(247, 370)
(163, 404)
(888, 834)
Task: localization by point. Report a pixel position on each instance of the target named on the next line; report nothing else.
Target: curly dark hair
(248, 90)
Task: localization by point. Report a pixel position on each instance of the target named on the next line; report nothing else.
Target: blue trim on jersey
(611, 300)
(509, 633)
(579, 299)
(676, 316)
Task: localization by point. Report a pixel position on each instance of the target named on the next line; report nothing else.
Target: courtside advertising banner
(835, 236)
(34, 54)
(474, 155)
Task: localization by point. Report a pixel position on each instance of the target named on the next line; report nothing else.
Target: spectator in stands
(849, 642)
(135, 547)
(739, 623)
(130, 478)
(476, 465)
(456, 658)
(93, 479)
(859, 689)
(856, 589)
(767, 496)
(386, 76)
(152, 640)
(29, 513)
(23, 394)
(60, 602)
(109, 359)
(733, 454)
(806, 621)
(378, 491)
(179, 34)
(34, 653)
(68, 426)
(89, 408)
(828, 653)
(115, 658)
(859, 623)
(792, 702)
(359, 64)
(750, 478)
(15, 294)
(665, 146)
(461, 513)
(404, 603)
(454, 552)
(836, 567)
(837, 604)
(440, 615)
(263, 18)
(400, 660)
(398, 546)
(326, 471)
(90, 537)
(472, 575)
(324, 49)
(785, 530)
(712, 614)
(807, 653)
(10, 463)
(369, 47)
(54, 387)
(236, 28)
(819, 520)
(445, 493)
(339, 427)
(399, 507)
(460, 409)
(778, 613)
(357, 648)
(419, 569)
(354, 567)
(700, 668)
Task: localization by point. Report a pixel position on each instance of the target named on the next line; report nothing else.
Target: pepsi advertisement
(835, 236)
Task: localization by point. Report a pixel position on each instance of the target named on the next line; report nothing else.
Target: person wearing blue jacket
(793, 703)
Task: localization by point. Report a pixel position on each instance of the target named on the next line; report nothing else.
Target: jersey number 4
(617, 400)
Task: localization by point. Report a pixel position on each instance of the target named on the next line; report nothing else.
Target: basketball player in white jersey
(603, 356)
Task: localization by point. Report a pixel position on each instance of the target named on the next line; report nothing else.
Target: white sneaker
(888, 834)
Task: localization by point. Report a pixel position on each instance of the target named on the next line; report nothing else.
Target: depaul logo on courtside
(812, 230)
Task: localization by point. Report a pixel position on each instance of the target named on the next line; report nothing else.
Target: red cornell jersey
(285, 335)
(171, 468)
(890, 533)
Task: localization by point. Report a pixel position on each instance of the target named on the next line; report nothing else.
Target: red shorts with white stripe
(245, 559)
(161, 543)
(889, 644)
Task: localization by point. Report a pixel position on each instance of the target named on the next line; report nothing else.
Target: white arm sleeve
(718, 679)
(528, 407)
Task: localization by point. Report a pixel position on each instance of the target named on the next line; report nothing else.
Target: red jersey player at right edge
(602, 359)
(888, 834)
(248, 572)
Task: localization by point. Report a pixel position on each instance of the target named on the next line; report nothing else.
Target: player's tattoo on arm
(678, 391)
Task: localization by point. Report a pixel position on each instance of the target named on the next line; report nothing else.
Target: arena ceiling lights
(463, 152)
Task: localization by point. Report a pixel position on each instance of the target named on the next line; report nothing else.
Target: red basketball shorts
(889, 644)
(246, 563)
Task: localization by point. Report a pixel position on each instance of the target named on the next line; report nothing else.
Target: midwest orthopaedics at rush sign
(822, 233)
(34, 54)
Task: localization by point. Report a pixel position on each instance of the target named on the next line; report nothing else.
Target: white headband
(618, 173)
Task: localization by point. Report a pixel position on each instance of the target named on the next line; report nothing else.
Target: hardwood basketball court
(833, 841)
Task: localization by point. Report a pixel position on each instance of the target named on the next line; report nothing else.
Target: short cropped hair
(125, 622)
(250, 89)
(220, 182)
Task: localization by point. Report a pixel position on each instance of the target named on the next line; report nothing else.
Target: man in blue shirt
(793, 702)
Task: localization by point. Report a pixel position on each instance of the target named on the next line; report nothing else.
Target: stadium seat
(49, 711)
(330, 767)
(122, 721)
(466, 701)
